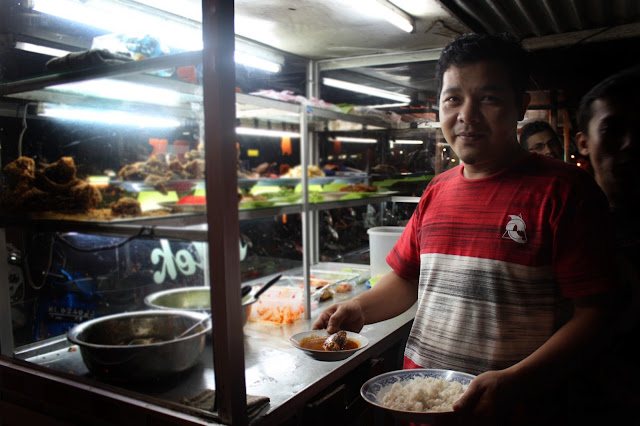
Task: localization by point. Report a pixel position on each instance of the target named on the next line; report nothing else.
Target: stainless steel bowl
(137, 346)
(188, 298)
(195, 299)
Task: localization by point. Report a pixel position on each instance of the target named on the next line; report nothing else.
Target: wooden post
(222, 209)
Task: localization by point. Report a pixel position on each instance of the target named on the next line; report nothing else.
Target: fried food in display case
(54, 192)
(162, 168)
(53, 187)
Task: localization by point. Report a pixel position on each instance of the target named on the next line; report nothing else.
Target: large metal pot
(137, 346)
(194, 299)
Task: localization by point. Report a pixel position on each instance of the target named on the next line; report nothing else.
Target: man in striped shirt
(507, 254)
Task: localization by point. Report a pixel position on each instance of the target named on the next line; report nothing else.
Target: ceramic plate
(184, 208)
(374, 390)
(332, 196)
(328, 355)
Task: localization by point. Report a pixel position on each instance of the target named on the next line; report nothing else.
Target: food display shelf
(172, 226)
(247, 183)
(247, 214)
(109, 70)
(314, 113)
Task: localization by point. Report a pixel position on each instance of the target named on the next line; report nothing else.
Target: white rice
(424, 394)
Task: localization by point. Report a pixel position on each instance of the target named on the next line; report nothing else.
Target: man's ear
(526, 99)
(582, 142)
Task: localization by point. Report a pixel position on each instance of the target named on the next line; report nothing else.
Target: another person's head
(539, 136)
(609, 133)
(481, 84)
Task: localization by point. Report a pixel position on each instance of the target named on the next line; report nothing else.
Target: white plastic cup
(381, 241)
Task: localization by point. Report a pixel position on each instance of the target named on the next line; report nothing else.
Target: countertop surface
(273, 366)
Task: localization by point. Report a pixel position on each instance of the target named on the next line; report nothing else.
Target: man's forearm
(391, 296)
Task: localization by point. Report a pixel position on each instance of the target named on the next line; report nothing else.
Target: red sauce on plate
(315, 344)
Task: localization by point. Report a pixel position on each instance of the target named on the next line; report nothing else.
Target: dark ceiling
(537, 18)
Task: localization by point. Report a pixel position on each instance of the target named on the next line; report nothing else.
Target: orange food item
(343, 288)
(279, 305)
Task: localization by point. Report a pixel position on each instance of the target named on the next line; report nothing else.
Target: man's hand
(489, 398)
(391, 296)
(341, 316)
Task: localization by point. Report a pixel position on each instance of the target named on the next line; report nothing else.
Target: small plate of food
(417, 395)
(322, 346)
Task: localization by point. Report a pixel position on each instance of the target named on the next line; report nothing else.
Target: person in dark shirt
(609, 124)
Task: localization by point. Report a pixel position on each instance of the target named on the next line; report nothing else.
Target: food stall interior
(106, 199)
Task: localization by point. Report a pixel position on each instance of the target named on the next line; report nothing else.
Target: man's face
(478, 114)
(545, 143)
(613, 146)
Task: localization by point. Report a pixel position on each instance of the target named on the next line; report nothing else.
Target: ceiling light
(29, 47)
(160, 20)
(256, 62)
(359, 88)
(408, 142)
(352, 139)
(266, 132)
(123, 91)
(106, 116)
(397, 16)
(393, 143)
(396, 105)
(119, 18)
(253, 54)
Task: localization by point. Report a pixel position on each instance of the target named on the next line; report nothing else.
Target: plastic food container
(381, 241)
(279, 305)
(362, 271)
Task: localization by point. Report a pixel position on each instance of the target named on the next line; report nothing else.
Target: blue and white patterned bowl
(374, 390)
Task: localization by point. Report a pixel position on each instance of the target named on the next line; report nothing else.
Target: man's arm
(391, 296)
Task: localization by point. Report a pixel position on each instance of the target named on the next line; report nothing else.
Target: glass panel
(62, 279)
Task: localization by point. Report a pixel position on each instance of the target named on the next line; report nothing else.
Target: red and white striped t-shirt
(498, 259)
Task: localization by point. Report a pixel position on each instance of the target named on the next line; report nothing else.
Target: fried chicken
(53, 187)
(126, 206)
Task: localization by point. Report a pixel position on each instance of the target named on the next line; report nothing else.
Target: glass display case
(106, 137)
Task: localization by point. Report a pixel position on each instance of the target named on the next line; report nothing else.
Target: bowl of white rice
(418, 395)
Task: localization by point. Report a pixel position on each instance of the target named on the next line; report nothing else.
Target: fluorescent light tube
(408, 142)
(396, 105)
(122, 90)
(256, 62)
(50, 51)
(359, 88)
(266, 132)
(118, 18)
(107, 116)
(353, 140)
(397, 16)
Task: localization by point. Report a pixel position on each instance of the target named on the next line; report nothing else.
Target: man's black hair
(532, 128)
(472, 48)
(624, 85)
